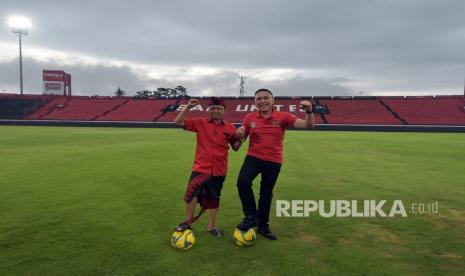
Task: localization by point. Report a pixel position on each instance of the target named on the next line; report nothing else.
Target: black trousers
(269, 171)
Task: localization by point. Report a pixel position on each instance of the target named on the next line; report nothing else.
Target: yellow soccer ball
(244, 238)
(183, 240)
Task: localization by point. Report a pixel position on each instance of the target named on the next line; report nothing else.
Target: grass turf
(98, 201)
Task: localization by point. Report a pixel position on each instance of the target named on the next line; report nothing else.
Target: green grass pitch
(104, 201)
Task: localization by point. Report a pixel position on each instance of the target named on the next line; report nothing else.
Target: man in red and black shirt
(211, 161)
(265, 130)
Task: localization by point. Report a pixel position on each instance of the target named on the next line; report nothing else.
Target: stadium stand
(439, 110)
(359, 111)
(13, 106)
(47, 107)
(82, 109)
(236, 109)
(137, 110)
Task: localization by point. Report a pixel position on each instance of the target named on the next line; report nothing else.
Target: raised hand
(192, 103)
(305, 105)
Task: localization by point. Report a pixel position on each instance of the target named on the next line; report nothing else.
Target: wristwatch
(309, 111)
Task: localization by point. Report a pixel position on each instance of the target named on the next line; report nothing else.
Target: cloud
(86, 79)
(324, 47)
(92, 75)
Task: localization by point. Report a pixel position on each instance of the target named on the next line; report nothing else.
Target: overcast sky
(383, 47)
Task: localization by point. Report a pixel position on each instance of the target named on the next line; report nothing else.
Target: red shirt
(211, 152)
(266, 135)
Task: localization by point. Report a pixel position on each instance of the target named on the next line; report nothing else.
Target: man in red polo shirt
(211, 161)
(265, 130)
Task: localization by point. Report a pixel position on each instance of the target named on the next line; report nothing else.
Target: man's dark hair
(217, 101)
(263, 90)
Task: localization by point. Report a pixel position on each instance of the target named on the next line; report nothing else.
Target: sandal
(183, 226)
(216, 232)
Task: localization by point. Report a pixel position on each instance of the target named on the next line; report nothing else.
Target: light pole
(20, 26)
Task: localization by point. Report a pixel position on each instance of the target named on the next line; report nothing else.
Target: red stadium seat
(441, 110)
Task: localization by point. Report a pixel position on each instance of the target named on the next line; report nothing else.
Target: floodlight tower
(242, 84)
(20, 25)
